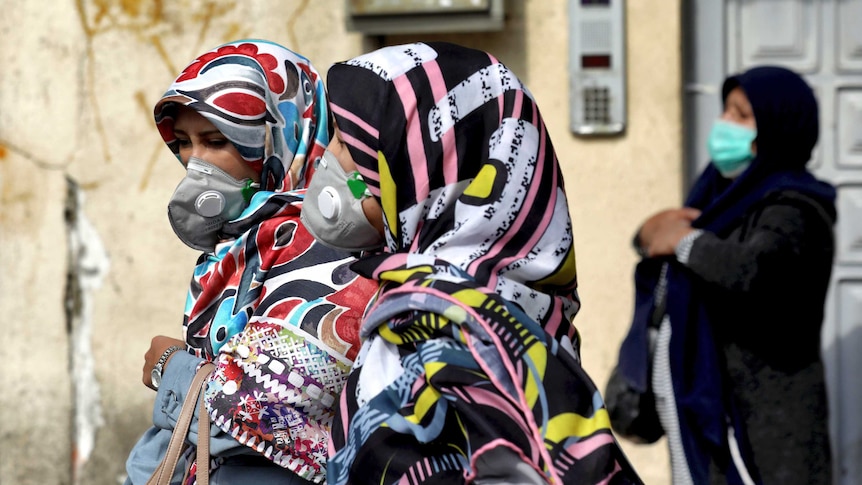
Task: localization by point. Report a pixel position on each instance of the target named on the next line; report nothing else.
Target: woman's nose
(198, 150)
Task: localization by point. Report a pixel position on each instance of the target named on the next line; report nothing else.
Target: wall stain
(130, 7)
(150, 166)
(11, 193)
(100, 17)
(156, 42)
(205, 25)
(89, 32)
(235, 31)
(211, 11)
(291, 25)
(135, 16)
(8, 146)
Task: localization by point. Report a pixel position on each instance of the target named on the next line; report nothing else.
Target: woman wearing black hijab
(739, 277)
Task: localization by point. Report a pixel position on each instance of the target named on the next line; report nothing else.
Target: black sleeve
(771, 248)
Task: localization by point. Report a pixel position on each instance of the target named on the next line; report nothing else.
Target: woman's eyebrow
(200, 133)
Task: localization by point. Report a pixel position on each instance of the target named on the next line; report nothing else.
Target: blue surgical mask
(729, 146)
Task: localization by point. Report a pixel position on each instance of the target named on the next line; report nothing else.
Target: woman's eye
(183, 143)
(218, 143)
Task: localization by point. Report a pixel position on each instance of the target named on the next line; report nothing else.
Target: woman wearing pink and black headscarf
(276, 312)
(469, 368)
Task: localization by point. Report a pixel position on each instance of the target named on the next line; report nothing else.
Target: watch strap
(164, 358)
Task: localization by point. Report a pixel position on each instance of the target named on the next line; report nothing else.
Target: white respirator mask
(332, 210)
(205, 199)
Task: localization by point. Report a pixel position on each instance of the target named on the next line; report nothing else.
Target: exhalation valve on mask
(205, 199)
(210, 203)
(332, 210)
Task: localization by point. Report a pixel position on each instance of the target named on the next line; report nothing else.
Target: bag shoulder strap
(163, 474)
(203, 451)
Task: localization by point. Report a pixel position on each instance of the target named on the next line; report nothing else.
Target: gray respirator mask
(332, 210)
(205, 199)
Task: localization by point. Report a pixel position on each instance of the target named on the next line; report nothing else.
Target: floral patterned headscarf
(276, 311)
(245, 85)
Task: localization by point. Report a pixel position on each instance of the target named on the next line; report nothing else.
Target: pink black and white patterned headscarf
(469, 365)
(276, 311)
(453, 145)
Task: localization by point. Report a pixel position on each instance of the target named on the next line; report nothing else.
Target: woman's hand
(158, 345)
(660, 234)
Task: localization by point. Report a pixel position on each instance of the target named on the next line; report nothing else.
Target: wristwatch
(156, 373)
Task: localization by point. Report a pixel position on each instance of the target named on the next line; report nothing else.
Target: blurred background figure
(740, 276)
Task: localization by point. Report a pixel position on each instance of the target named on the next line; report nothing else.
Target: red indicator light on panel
(596, 61)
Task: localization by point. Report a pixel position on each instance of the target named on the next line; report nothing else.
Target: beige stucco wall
(76, 90)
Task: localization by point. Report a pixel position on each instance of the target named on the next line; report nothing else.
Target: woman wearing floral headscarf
(469, 367)
(276, 312)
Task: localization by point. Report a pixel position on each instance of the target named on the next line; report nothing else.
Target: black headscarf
(786, 114)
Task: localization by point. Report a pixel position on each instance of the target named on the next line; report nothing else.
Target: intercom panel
(597, 66)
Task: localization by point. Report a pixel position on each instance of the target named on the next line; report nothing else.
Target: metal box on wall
(384, 17)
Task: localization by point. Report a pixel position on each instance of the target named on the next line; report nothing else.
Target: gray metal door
(822, 40)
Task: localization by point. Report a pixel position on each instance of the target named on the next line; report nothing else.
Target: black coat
(767, 281)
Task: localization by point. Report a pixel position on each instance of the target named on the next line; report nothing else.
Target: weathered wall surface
(90, 269)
